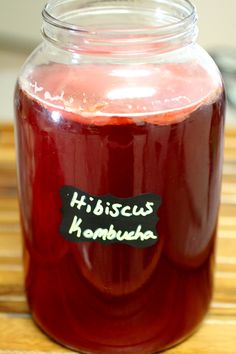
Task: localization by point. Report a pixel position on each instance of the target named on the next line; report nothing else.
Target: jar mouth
(66, 14)
(123, 21)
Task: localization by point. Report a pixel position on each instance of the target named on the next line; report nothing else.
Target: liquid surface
(160, 94)
(117, 298)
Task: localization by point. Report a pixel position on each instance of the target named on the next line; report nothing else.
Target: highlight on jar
(119, 139)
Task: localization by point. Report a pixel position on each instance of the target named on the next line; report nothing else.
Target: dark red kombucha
(116, 298)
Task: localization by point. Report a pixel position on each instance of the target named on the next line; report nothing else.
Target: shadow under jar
(119, 126)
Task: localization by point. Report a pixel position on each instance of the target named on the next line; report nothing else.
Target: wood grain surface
(18, 333)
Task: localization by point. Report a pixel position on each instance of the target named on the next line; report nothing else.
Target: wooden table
(18, 334)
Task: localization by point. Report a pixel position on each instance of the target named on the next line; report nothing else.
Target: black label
(108, 219)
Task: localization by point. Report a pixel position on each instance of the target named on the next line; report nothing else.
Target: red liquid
(116, 298)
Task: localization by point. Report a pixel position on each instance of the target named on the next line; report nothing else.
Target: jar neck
(120, 28)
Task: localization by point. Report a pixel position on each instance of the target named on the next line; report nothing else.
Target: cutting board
(18, 333)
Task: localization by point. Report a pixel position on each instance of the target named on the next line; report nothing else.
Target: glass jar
(119, 125)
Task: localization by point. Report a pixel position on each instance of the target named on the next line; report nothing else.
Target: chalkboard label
(108, 219)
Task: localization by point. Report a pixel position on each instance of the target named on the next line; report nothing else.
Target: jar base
(116, 350)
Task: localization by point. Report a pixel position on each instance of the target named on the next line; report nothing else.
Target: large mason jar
(119, 127)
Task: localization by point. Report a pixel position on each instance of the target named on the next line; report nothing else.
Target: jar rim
(56, 20)
(118, 28)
